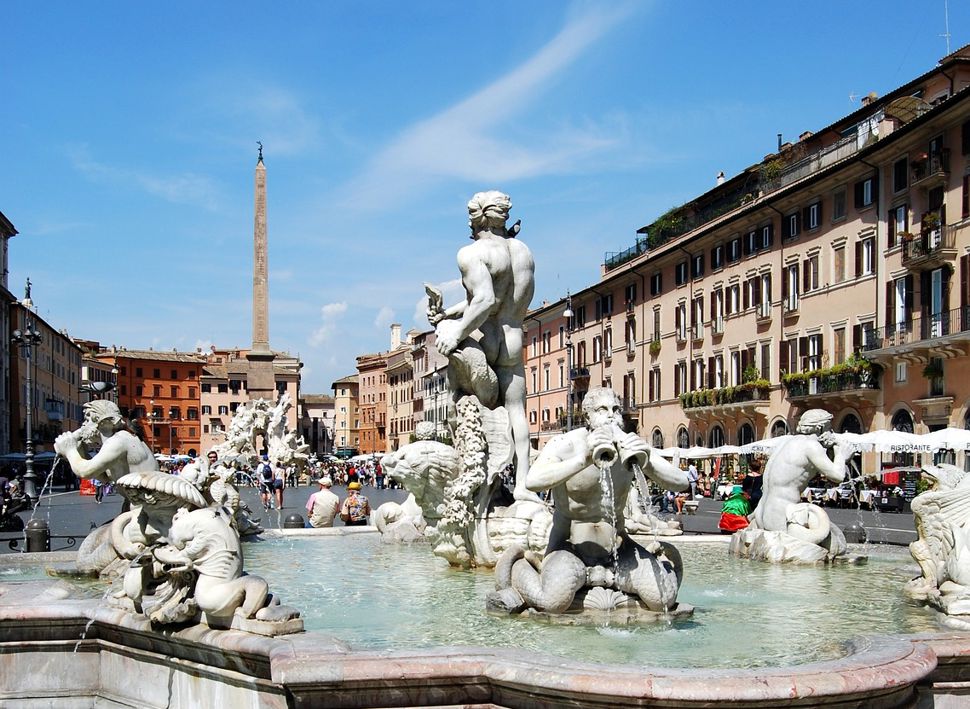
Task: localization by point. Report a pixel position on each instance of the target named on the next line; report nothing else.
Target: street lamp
(568, 314)
(151, 422)
(27, 339)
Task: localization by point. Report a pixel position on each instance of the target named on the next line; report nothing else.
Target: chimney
(395, 336)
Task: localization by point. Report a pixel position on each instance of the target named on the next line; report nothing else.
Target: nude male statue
(794, 464)
(587, 526)
(122, 452)
(498, 273)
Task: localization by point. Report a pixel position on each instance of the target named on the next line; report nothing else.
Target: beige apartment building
(834, 274)
(317, 423)
(431, 398)
(346, 422)
(400, 398)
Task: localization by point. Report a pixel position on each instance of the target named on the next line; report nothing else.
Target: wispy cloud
(385, 316)
(185, 188)
(329, 315)
(466, 141)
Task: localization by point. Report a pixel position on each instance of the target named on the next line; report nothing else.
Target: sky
(129, 136)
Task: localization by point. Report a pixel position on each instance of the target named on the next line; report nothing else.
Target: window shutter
(771, 234)
(806, 217)
(693, 377)
(713, 307)
(858, 259)
(856, 338)
(925, 293)
(803, 353)
(783, 356)
(784, 283)
(908, 306)
(964, 279)
(755, 285)
(946, 294)
(890, 304)
(746, 245)
(965, 138)
(746, 297)
(767, 280)
(677, 319)
(711, 384)
(859, 195)
(806, 276)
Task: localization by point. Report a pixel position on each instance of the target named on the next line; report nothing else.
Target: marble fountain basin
(393, 626)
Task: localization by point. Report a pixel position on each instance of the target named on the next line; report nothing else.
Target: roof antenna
(946, 19)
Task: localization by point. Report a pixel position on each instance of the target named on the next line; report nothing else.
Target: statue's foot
(523, 495)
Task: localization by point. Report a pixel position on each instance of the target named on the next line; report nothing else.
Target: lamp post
(151, 422)
(568, 314)
(27, 339)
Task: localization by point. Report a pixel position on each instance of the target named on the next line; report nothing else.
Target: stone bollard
(38, 535)
(855, 534)
(293, 521)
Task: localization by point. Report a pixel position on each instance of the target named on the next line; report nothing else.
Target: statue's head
(814, 422)
(601, 406)
(488, 209)
(103, 411)
(424, 431)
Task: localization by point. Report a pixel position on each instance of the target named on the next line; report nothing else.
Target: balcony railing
(681, 335)
(579, 373)
(927, 327)
(929, 242)
(790, 305)
(697, 331)
(936, 165)
(750, 391)
(717, 325)
(811, 384)
(763, 312)
(629, 404)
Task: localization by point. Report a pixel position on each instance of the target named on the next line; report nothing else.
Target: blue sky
(129, 140)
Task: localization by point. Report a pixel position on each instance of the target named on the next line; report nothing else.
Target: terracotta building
(160, 390)
(834, 274)
(372, 400)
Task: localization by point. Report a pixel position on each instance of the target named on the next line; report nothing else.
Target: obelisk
(261, 381)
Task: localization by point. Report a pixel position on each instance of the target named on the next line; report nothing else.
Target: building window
(792, 225)
(138, 372)
(157, 373)
(813, 216)
(206, 388)
(734, 250)
(838, 264)
(900, 175)
(717, 257)
(223, 410)
(546, 342)
(865, 258)
(597, 348)
(901, 375)
(810, 274)
(838, 205)
(838, 336)
(697, 270)
(138, 389)
(192, 413)
(156, 390)
(175, 413)
(174, 374)
(656, 283)
(865, 192)
(174, 392)
(206, 409)
(535, 346)
(898, 223)
(767, 236)
(680, 274)
(790, 287)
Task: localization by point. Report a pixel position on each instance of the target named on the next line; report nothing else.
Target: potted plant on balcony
(654, 347)
(933, 370)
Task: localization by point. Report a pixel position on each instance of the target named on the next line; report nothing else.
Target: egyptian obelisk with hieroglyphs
(260, 380)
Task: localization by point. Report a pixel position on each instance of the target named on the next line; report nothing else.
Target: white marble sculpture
(261, 419)
(482, 334)
(590, 561)
(176, 551)
(782, 527)
(441, 505)
(942, 549)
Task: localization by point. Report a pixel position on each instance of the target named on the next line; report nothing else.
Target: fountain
(182, 624)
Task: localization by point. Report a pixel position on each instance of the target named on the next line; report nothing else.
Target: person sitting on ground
(734, 512)
(356, 509)
(323, 505)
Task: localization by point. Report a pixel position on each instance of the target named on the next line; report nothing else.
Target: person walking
(355, 509)
(264, 474)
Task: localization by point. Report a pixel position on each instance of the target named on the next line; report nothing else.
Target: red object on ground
(87, 487)
(732, 523)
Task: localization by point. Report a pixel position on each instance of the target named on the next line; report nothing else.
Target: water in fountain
(378, 597)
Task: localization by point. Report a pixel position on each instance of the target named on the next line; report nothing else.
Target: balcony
(697, 331)
(546, 426)
(629, 405)
(762, 312)
(939, 335)
(931, 171)
(746, 400)
(790, 307)
(853, 382)
(577, 373)
(630, 306)
(933, 246)
(717, 325)
(631, 349)
(681, 335)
